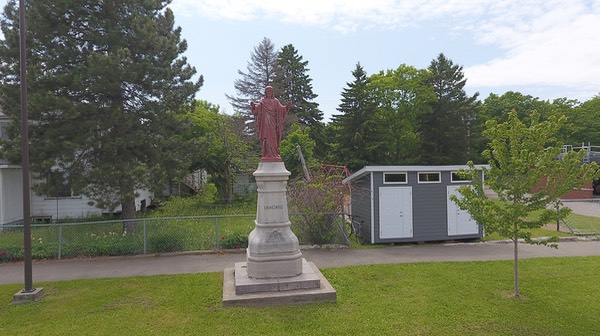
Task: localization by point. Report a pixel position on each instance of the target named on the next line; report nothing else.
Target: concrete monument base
(241, 291)
(275, 272)
(33, 296)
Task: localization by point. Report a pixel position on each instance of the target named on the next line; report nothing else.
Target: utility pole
(28, 293)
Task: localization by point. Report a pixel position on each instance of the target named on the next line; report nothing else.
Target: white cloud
(340, 15)
(544, 42)
(558, 46)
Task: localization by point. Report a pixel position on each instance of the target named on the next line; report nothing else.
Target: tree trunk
(228, 186)
(516, 242)
(128, 214)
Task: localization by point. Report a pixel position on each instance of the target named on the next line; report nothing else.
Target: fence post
(145, 244)
(342, 227)
(60, 236)
(217, 233)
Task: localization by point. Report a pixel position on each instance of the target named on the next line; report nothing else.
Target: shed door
(459, 221)
(395, 212)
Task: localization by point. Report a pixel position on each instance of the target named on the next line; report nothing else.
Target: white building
(65, 205)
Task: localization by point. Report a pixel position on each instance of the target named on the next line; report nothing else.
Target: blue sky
(546, 48)
(549, 49)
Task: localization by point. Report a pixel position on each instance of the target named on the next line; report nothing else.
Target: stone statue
(269, 115)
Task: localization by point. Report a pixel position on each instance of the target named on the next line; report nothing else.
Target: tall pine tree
(450, 131)
(295, 86)
(261, 71)
(107, 88)
(355, 126)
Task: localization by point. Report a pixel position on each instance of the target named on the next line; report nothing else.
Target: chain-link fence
(159, 235)
(584, 219)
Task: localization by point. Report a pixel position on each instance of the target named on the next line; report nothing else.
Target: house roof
(390, 169)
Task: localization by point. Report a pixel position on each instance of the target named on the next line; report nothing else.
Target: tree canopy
(528, 173)
(107, 84)
(355, 126)
(449, 130)
(403, 96)
(219, 147)
(294, 85)
(261, 71)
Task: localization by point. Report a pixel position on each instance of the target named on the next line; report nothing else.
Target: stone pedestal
(275, 272)
(273, 249)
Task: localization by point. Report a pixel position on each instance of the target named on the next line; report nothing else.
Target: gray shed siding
(430, 214)
(361, 206)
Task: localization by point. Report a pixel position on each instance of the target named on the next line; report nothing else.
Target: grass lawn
(583, 224)
(535, 233)
(559, 297)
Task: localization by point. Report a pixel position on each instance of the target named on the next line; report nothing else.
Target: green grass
(583, 224)
(535, 233)
(559, 297)
(579, 224)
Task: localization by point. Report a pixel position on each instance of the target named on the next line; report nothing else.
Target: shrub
(314, 200)
(165, 242)
(236, 240)
(11, 253)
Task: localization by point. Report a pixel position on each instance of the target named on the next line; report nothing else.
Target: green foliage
(527, 175)
(260, 72)
(298, 137)
(294, 85)
(169, 240)
(234, 241)
(355, 128)
(318, 204)
(107, 83)
(583, 120)
(402, 96)
(450, 298)
(450, 130)
(220, 147)
(498, 107)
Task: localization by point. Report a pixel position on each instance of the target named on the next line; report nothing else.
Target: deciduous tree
(528, 177)
(402, 96)
(219, 147)
(298, 138)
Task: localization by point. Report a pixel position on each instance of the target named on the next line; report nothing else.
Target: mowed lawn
(560, 296)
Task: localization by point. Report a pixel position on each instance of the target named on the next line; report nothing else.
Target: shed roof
(387, 169)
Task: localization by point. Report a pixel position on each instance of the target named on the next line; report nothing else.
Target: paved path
(588, 208)
(54, 270)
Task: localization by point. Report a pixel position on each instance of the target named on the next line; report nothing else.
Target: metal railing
(160, 235)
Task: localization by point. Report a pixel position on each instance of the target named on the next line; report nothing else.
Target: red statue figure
(269, 114)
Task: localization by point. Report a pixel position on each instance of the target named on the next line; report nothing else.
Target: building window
(429, 177)
(59, 185)
(395, 178)
(455, 178)
(3, 126)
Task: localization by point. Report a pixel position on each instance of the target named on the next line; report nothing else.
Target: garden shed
(394, 204)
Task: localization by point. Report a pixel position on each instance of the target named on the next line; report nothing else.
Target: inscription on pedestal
(273, 207)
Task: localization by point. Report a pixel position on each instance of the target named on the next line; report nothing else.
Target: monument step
(308, 279)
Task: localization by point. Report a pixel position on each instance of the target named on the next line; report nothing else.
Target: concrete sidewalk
(588, 208)
(110, 267)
